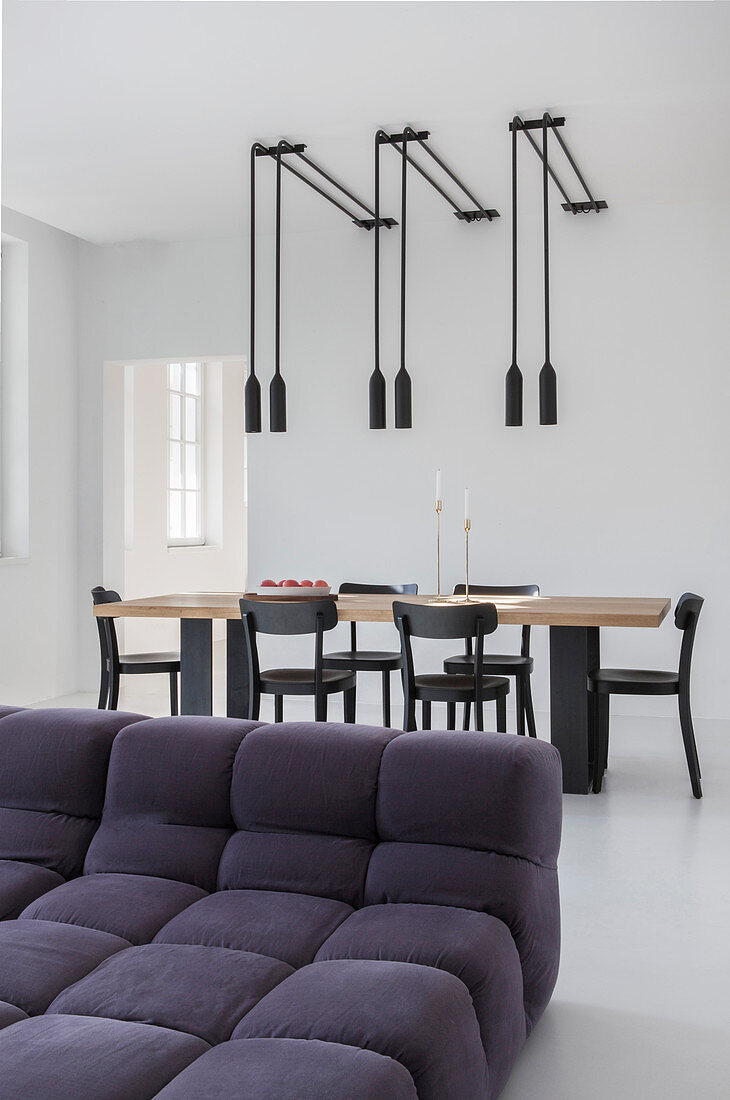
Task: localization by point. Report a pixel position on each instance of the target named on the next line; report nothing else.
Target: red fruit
(281, 584)
(321, 584)
(268, 584)
(307, 584)
(290, 584)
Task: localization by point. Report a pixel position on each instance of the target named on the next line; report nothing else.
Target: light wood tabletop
(598, 611)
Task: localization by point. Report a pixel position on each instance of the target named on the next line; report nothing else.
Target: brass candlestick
(467, 529)
(438, 549)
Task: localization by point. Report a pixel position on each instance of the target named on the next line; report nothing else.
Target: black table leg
(574, 652)
(236, 670)
(196, 666)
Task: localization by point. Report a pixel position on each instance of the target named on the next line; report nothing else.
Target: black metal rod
(277, 388)
(376, 386)
(572, 163)
(548, 384)
(252, 389)
(421, 171)
(409, 131)
(536, 147)
(335, 183)
(514, 381)
(403, 397)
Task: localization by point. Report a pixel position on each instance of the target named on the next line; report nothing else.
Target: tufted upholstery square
(303, 799)
(167, 811)
(53, 767)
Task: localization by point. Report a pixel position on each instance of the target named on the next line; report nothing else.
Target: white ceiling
(132, 121)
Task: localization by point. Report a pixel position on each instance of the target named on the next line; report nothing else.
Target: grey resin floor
(642, 1005)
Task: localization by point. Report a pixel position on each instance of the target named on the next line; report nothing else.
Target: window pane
(192, 454)
(175, 376)
(176, 515)
(175, 417)
(176, 466)
(192, 378)
(191, 419)
(192, 526)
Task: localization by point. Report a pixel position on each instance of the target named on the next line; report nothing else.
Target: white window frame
(198, 540)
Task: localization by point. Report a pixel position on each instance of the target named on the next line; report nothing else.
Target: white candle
(466, 506)
(438, 485)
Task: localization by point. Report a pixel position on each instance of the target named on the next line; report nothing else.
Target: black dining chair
(519, 665)
(294, 617)
(370, 660)
(605, 682)
(114, 664)
(465, 621)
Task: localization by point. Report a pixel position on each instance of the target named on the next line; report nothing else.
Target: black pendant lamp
(548, 378)
(513, 381)
(403, 401)
(376, 385)
(252, 389)
(277, 388)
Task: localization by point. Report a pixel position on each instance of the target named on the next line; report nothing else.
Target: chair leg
(600, 749)
(520, 704)
(278, 708)
(348, 705)
(173, 694)
(409, 715)
(690, 745)
(479, 717)
(425, 715)
(502, 714)
(467, 715)
(113, 690)
(103, 686)
(451, 716)
(530, 713)
(254, 705)
(320, 708)
(386, 700)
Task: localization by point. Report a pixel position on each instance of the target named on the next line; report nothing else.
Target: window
(185, 451)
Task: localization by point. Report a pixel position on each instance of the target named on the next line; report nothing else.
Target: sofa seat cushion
(474, 947)
(22, 883)
(40, 958)
(291, 1069)
(203, 991)
(420, 1016)
(76, 1058)
(10, 1014)
(132, 906)
(290, 927)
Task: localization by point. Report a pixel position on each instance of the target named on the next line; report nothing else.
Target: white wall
(39, 622)
(623, 497)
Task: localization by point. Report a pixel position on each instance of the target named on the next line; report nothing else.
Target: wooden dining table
(574, 622)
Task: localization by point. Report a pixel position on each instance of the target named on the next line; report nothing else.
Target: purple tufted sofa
(212, 909)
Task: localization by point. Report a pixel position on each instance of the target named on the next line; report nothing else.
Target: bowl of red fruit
(286, 589)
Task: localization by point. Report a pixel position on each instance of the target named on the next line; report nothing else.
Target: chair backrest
(107, 630)
(467, 621)
(686, 614)
(349, 588)
(503, 590)
(291, 617)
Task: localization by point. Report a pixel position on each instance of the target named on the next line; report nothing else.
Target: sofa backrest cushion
(53, 768)
(473, 820)
(167, 811)
(304, 803)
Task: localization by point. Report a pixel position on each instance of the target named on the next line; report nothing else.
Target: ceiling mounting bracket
(582, 206)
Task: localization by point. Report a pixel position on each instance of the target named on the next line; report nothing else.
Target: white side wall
(39, 622)
(624, 497)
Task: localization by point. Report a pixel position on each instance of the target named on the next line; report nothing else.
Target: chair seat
(363, 660)
(300, 681)
(144, 662)
(439, 687)
(632, 681)
(501, 664)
